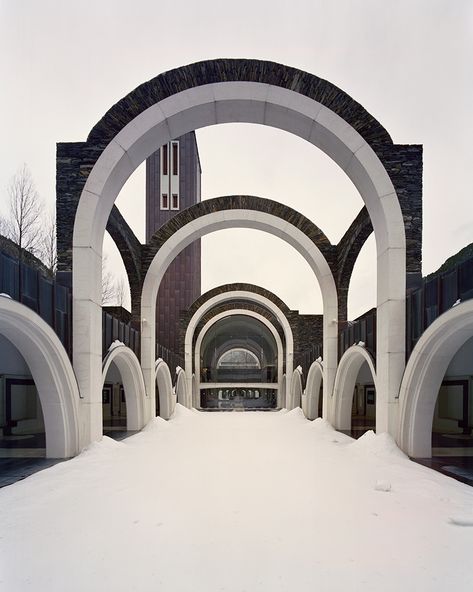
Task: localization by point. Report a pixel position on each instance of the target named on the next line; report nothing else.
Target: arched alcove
(52, 373)
(348, 371)
(129, 370)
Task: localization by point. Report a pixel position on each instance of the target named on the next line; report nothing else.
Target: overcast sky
(408, 62)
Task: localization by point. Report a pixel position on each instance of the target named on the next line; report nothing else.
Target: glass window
(165, 159)
(175, 158)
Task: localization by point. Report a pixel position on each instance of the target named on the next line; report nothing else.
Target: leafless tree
(23, 226)
(108, 284)
(120, 289)
(47, 247)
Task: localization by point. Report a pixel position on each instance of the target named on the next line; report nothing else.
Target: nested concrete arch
(165, 392)
(224, 91)
(310, 398)
(52, 373)
(254, 315)
(296, 388)
(423, 377)
(129, 367)
(345, 380)
(183, 396)
(220, 213)
(217, 297)
(249, 305)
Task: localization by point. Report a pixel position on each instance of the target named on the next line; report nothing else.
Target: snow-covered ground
(238, 502)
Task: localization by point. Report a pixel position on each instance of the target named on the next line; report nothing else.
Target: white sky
(408, 62)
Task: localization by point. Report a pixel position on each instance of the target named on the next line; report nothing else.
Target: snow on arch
(133, 384)
(347, 371)
(423, 377)
(52, 373)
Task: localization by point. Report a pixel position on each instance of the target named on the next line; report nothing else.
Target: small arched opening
(123, 392)
(436, 397)
(355, 392)
(40, 397)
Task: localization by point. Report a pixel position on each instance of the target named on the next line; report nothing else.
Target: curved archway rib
(52, 373)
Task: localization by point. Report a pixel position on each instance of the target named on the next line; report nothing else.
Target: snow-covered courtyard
(237, 502)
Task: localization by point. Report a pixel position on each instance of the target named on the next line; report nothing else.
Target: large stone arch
(133, 384)
(52, 373)
(423, 377)
(310, 398)
(223, 91)
(261, 319)
(345, 380)
(164, 382)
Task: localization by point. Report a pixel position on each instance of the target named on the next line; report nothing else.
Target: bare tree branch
(108, 283)
(24, 225)
(47, 246)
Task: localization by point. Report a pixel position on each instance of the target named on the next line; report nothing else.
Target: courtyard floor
(234, 502)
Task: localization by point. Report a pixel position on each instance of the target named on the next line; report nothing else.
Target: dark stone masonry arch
(403, 163)
(238, 202)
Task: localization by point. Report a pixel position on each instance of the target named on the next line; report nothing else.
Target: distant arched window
(238, 357)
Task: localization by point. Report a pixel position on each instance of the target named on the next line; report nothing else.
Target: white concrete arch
(239, 295)
(250, 102)
(310, 398)
(129, 367)
(182, 394)
(248, 313)
(52, 373)
(165, 391)
(423, 377)
(345, 380)
(296, 388)
(237, 218)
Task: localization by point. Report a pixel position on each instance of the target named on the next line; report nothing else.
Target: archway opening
(22, 429)
(239, 365)
(114, 412)
(452, 423)
(363, 410)
(355, 392)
